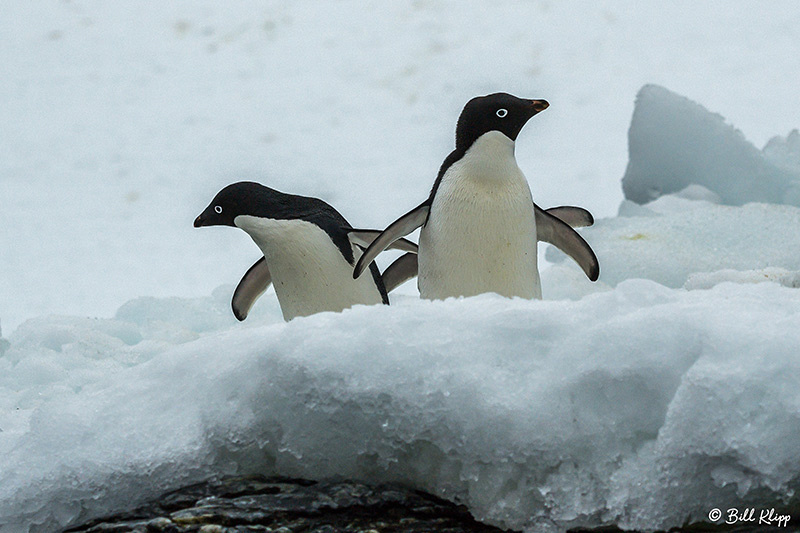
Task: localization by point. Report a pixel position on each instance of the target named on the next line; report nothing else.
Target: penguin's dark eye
(218, 209)
(502, 112)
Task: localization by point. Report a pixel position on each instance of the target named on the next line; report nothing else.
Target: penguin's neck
(489, 160)
(487, 173)
(290, 240)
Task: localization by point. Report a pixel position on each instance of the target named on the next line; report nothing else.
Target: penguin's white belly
(481, 230)
(308, 271)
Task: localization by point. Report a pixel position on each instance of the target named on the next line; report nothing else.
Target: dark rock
(253, 504)
(279, 505)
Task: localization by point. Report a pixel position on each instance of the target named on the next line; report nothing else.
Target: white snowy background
(668, 388)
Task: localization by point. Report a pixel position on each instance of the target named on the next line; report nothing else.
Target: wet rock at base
(279, 505)
(259, 504)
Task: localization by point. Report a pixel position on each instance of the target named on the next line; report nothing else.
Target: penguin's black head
(254, 199)
(243, 198)
(496, 112)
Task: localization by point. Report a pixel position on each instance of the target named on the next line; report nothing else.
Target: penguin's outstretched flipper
(397, 229)
(403, 269)
(365, 237)
(575, 217)
(555, 231)
(255, 281)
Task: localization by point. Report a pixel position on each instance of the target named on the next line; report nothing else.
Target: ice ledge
(674, 142)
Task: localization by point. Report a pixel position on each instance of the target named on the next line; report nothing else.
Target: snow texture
(674, 142)
(706, 280)
(673, 237)
(784, 152)
(640, 406)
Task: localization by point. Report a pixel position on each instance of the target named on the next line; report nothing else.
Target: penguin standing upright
(479, 225)
(309, 251)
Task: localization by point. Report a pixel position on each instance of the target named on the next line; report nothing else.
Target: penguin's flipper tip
(594, 273)
(240, 314)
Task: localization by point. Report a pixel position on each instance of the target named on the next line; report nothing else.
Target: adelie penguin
(480, 226)
(309, 251)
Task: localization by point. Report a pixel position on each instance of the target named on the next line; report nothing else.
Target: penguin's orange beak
(539, 105)
(198, 222)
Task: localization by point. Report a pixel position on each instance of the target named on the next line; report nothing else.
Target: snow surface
(664, 390)
(120, 123)
(785, 151)
(640, 406)
(671, 238)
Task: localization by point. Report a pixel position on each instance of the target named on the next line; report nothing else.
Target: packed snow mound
(674, 237)
(785, 151)
(3, 342)
(640, 406)
(674, 142)
(706, 280)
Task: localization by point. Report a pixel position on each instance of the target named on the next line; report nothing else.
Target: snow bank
(674, 142)
(672, 238)
(785, 151)
(706, 280)
(641, 406)
(716, 206)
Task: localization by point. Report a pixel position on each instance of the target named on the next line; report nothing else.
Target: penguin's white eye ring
(502, 112)
(218, 209)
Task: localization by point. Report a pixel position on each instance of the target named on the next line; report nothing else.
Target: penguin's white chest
(481, 230)
(308, 271)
